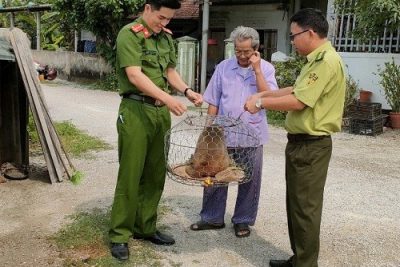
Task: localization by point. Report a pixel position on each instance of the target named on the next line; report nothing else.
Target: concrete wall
(363, 66)
(266, 17)
(73, 64)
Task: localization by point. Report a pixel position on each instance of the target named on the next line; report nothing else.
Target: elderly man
(233, 81)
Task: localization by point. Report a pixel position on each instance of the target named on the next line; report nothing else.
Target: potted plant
(390, 82)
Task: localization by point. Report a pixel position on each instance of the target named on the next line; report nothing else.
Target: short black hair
(157, 4)
(311, 18)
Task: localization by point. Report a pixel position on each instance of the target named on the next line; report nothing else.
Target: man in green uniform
(145, 68)
(315, 104)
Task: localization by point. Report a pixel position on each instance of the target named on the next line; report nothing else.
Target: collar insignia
(140, 28)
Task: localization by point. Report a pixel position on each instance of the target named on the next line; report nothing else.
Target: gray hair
(242, 33)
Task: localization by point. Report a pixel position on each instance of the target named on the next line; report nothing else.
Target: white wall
(363, 66)
(73, 63)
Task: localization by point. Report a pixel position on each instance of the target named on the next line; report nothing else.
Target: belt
(144, 99)
(305, 137)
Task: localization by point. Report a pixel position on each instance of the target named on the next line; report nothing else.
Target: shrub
(352, 90)
(390, 82)
(286, 72)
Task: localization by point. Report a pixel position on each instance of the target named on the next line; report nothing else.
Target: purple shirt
(229, 89)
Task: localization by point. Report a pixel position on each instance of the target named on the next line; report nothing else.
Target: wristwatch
(259, 104)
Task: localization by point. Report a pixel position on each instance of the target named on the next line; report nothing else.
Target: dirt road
(361, 218)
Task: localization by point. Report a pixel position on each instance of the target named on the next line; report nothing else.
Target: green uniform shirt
(153, 54)
(321, 87)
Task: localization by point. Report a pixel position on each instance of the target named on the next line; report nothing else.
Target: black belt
(305, 137)
(144, 99)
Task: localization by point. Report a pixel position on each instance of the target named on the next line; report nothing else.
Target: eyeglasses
(295, 34)
(246, 53)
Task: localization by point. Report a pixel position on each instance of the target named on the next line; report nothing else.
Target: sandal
(202, 225)
(241, 230)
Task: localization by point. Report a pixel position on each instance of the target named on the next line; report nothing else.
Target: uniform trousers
(214, 198)
(141, 176)
(307, 164)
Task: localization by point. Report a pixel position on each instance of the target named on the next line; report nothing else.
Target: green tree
(51, 37)
(371, 15)
(104, 18)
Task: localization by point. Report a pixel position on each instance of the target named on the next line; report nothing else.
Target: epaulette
(140, 28)
(167, 30)
(320, 56)
(137, 28)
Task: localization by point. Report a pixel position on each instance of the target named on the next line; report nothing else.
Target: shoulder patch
(167, 30)
(312, 78)
(137, 28)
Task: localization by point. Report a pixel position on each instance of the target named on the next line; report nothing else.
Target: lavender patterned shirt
(229, 88)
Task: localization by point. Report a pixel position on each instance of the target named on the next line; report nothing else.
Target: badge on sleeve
(312, 78)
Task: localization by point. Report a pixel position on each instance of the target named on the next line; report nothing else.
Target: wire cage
(210, 151)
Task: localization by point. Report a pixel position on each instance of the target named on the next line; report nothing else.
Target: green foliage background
(103, 18)
(390, 82)
(371, 15)
(286, 73)
(52, 38)
(352, 89)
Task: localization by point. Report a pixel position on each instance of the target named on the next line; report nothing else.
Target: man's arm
(212, 110)
(144, 84)
(175, 80)
(285, 102)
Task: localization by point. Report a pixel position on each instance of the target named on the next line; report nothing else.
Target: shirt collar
(236, 67)
(313, 55)
(235, 64)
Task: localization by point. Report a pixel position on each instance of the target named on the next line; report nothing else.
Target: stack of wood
(57, 160)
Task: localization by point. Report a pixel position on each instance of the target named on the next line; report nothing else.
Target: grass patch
(75, 141)
(78, 142)
(84, 242)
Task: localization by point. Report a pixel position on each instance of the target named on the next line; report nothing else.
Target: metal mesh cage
(210, 151)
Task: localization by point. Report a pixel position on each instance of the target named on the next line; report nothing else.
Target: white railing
(344, 41)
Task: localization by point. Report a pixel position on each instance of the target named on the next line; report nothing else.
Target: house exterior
(271, 19)
(363, 59)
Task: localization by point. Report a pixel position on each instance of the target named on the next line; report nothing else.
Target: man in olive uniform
(145, 68)
(315, 104)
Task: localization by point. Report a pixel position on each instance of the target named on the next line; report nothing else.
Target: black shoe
(281, 263)
(158, 238)
(120, 251)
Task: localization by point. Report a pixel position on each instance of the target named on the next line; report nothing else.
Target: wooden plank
(53, 133)
(39, 127)
(36, 93)
(50, 144)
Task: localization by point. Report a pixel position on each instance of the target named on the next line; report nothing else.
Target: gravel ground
(360, 224)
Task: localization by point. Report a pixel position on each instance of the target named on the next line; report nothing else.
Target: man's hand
(195, 98)
(255, 61)
(176, 107)
(250, 104)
